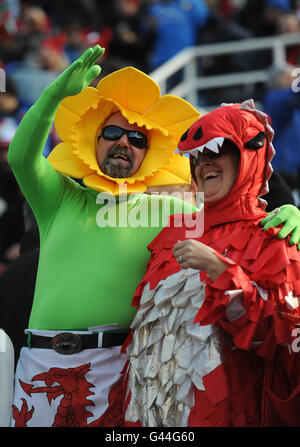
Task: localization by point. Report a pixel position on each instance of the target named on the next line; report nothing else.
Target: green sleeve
(41, 185)
(161, 207)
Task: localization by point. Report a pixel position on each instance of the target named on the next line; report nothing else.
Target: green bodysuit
(87, 275)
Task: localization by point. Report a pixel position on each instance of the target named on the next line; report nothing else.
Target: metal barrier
(2, 81)
(187, 61)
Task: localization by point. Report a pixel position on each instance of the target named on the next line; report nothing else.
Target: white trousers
(53, 389)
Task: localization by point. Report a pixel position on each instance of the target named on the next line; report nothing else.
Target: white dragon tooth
(196, 150)
(212, 145)
(220, 141)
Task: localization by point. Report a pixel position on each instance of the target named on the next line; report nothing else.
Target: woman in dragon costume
(212, 340)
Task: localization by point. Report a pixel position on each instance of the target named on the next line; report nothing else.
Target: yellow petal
(135, 188)
(103, 184)
(131, 88)
(86, 131)
(65, 161)
(70, 110)
(174, 114)
(179, 165)
(176, 172)
(165, 178)
(142, 120)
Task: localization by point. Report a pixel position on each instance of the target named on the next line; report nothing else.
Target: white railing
(192, 83)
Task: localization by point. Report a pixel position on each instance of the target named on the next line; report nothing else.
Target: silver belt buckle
(67, 343)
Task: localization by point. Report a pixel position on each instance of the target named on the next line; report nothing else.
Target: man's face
(120, 158)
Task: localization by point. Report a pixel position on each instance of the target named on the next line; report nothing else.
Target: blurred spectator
(9, 13)
(9, 100)
(225, 8)
(11, 200)
(31, 81)
(33, 28)
(290, 23)
(273, 10)
(91, 13)
(74, 39)
(51, 60)
(17, 284)
(282, 105)
(11, 106)
(27, 62)
(175, 24)
(130, 45)
(280, 193)
(261, 16)
(224, 29)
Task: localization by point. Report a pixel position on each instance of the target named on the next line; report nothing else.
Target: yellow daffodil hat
(79, 119)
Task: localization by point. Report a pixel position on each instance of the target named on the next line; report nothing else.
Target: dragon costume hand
(289, 215)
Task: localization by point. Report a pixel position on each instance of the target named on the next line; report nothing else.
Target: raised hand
(288, 215)
(78, 75)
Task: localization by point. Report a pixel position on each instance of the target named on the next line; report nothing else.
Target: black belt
(70, 343)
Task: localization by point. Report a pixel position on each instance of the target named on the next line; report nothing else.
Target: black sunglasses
(136, 138)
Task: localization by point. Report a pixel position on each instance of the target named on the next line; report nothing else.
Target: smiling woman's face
(216, 176)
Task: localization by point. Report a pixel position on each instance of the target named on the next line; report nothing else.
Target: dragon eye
(184, 136)
(198, 134)
(256, 142)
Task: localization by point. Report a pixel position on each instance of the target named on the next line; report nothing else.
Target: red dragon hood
(249, 130)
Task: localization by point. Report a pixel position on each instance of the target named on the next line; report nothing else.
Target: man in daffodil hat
(134, 98)
(118, 138)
